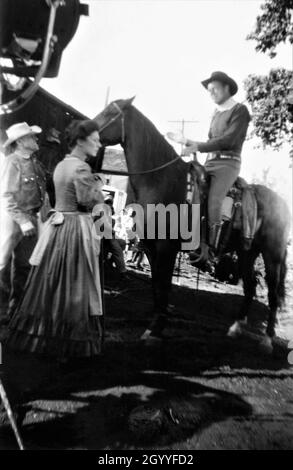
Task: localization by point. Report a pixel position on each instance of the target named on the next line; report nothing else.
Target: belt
(219, 155)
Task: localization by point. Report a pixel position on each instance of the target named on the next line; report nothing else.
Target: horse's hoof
(235, 330)
(266, 345)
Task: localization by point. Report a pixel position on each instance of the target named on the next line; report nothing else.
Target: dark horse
(146, 149)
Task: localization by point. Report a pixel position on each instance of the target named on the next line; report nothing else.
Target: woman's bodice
(76, 187)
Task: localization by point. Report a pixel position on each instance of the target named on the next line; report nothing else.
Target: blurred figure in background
(49, 155)
(137, 254)
(50, 151)
(115, 245)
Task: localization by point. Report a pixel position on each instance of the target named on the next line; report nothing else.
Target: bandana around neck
(229, 104)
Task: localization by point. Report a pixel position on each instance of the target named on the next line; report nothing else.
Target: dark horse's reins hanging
(130, 173)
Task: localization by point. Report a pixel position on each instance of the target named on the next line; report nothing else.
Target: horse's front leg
(162, 271)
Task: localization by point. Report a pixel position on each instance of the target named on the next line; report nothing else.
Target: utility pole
(107, 96)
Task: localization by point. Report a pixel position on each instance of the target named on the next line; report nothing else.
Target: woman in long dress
(61, 312)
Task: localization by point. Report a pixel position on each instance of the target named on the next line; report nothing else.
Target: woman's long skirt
(61, 312)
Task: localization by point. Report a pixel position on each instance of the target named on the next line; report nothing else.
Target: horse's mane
(157, 149)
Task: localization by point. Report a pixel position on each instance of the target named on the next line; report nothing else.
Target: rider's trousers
(223, 174)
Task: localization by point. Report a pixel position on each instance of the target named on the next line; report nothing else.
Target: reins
(130, 173)
(145, 172)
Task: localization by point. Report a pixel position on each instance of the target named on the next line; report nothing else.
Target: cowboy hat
(223, 78)
(18, 130)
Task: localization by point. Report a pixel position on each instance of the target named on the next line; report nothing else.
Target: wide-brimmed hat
(223, 78)
(18, 130)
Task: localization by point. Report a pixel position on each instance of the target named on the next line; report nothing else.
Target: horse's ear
(129, 101)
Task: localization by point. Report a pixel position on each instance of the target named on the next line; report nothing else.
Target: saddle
(239, 209)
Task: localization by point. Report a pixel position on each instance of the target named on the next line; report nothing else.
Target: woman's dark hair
(79, 130)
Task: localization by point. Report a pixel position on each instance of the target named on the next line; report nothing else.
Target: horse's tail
(281, 286)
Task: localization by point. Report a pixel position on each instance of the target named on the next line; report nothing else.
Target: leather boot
(205, 256)
(214, 236)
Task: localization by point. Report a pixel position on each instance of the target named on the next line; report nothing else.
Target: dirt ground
(197, 389)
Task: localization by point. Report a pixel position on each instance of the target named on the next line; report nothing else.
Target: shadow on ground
(138, 395)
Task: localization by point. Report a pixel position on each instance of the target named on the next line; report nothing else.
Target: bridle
(127, 173)
(113, 119)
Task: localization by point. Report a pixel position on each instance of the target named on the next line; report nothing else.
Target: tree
(271, 115)
(268, 95)
(266, 178)
(273, 26)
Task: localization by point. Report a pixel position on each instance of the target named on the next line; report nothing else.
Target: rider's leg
(223, 174)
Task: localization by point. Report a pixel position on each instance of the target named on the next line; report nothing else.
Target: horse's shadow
(138, 394)
(125, 411)
(196, 335)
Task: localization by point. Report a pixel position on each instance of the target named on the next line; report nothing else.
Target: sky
(160, 51)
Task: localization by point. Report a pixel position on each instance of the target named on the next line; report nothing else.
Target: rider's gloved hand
(189, 149)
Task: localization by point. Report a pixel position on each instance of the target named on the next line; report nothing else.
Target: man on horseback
(226, 136)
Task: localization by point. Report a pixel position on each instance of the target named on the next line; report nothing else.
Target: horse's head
(111, 122)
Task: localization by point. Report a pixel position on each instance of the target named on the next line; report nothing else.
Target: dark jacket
(227, 132)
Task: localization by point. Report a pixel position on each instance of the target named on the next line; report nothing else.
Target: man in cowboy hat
(226, 136)
(22, 194)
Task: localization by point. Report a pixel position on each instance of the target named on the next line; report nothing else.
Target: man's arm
(88, 189)
(238, 125)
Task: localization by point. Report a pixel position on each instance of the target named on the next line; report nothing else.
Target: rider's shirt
(227, 132)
